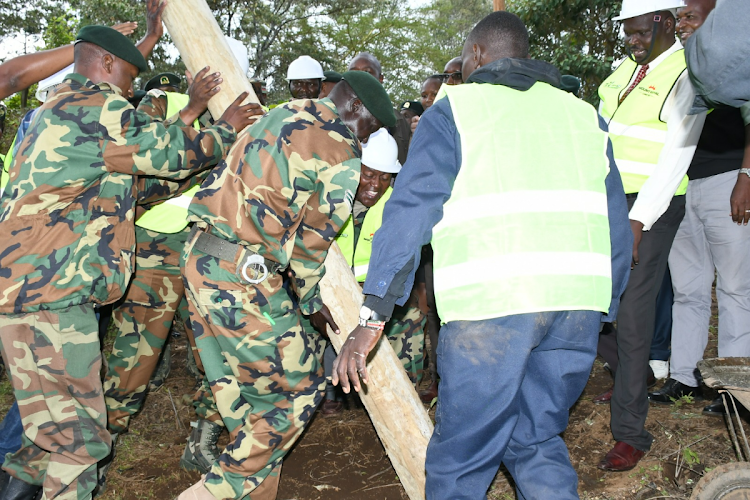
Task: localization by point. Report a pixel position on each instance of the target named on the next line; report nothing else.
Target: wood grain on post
(201, 43)
(396, 412)
(498, 5)
(390, 399)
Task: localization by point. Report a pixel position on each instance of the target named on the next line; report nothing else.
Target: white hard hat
(380, 152)
(240, 53)
(51, 82)
(304, 68)
(635, 8)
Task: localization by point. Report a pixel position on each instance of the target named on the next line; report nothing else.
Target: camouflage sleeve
(327, 210)
(135, 144)
(154, 105)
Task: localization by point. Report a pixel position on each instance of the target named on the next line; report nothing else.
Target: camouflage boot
(103, 466)
(201, 451)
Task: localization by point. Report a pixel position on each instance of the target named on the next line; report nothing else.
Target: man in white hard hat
(405, 329)
(305, 76)
(645, 102)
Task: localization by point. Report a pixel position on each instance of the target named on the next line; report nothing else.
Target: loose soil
(341, 458)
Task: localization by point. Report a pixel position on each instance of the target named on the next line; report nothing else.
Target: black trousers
(635, 329)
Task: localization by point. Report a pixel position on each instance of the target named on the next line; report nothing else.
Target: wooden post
(201, 43)
(498, 5)
(394, 407)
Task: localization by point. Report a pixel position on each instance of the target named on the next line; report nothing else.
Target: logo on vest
(612, 85)
(649, 91)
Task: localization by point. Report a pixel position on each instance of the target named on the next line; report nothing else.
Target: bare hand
(126, 28)
(351, 364)
(154, 10)
(240, 117)
(321, 319)
(189, 78)
(413, 124)
(740, 200)
(203, 88)
(637, 228)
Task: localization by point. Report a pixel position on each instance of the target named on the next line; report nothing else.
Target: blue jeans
(506, 386)
(10, 432)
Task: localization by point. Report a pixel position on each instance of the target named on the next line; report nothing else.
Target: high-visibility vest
(170, 216)
(635, 127)
(358, 257)
(7, 160)
(526, 227)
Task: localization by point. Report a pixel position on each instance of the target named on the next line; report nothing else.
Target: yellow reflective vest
(526, 226)
(635, 127)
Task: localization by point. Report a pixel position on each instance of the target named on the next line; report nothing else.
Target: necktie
(640, 76)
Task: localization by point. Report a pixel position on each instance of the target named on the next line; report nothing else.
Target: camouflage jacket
(285, 189)
(67, 213)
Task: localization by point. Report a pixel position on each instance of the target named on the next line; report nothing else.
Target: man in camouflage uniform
(284, 191)
(67, 219)
(405, 329)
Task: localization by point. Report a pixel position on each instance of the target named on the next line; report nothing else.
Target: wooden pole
(394, 407)
(499, 5)
(201, 43)
(389, 397)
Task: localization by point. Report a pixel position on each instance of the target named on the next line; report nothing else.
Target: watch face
(365, 312)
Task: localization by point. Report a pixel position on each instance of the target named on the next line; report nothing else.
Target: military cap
(570, 83)
(113, 42)
(332, 76)
(372, 94)
(163, 79)
(415, 106)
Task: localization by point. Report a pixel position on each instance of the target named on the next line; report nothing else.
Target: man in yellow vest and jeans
(645, 103)
(405, 330)
(513, 181)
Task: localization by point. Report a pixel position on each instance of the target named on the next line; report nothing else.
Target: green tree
(577, 36)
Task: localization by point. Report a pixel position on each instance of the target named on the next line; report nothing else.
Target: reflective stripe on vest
(638, 135)
(171, 216)
(358, 257)
(526, 227)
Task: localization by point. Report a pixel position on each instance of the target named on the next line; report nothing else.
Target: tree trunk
(394, 407)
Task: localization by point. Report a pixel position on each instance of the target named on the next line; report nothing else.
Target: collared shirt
(683, 132)
(285, 189)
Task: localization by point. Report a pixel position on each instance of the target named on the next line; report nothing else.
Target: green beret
(372, 94)
(570, 83)
(113, 42)
(163, 79)
(332, 76)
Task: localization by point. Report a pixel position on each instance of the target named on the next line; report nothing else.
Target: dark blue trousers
(506, 386)
(10, 432)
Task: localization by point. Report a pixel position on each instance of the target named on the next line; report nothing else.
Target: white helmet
(51, 82)
(304, 68)
(635, 8)
(240, 53)
(380, 152)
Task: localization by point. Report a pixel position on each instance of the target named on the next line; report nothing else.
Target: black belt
(226, 250)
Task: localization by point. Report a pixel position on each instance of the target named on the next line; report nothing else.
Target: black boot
(19, 490)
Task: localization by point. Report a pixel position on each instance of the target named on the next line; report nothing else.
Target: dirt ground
(341, 458)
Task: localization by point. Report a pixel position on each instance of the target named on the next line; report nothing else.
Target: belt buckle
(256, 265)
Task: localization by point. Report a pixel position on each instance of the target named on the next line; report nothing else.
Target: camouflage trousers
(54, 361)
(263, 368)
(143, 321)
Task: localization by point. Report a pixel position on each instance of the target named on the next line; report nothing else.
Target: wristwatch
(745, 171)
(371, 319)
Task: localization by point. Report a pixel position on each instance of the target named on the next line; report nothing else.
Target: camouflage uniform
(405, 332)
(68, 245)
(284, 191)
(144, 318)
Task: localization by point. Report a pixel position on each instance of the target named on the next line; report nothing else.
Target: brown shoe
(605, 397)
(331, 408)
(621, 457)
(429, 394)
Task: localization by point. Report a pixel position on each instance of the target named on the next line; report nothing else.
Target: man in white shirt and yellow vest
(645, 102)
(513, 181)
(405, 330)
